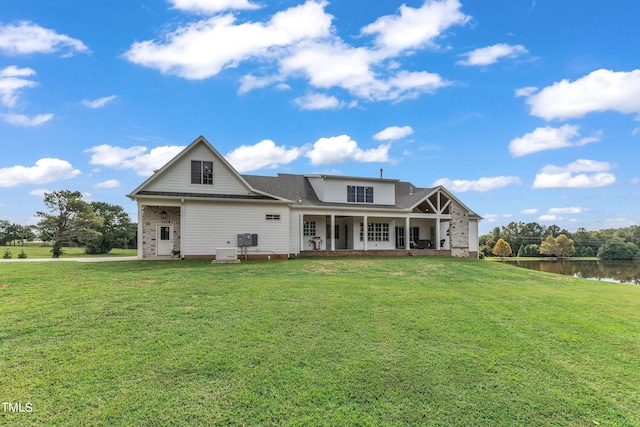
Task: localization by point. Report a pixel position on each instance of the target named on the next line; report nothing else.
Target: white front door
(165, 240)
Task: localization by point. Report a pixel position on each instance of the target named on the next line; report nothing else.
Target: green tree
(565, 246)
(549, 246)
(617, 248)
(4, 224)
(502, 248)
(70, 219)
(114, 227)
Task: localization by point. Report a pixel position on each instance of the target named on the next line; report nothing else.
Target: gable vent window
(272, 217)
(201, 172)
(359, 194)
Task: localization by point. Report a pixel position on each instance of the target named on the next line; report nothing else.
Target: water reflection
(610, 271)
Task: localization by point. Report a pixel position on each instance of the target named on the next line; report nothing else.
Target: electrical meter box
(247, 239)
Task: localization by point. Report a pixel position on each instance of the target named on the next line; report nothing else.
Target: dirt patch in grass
(4, 286)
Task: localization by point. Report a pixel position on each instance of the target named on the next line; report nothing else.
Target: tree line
(533, 240)
(68, 220)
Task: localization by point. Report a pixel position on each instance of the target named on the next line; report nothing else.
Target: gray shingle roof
(298, 189)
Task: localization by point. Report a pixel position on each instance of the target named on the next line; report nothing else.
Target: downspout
(182, 225)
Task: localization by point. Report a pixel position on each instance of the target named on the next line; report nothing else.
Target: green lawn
(335, 342)
(39, 251)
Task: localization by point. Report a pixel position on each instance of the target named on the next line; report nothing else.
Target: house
(198, 203)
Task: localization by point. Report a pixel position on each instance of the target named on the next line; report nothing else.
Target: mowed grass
(38, 251)
(350, 341)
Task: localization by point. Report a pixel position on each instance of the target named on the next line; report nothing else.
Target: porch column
(365, 231)
(438, 233)
(332, 232)
(301, 231)
(182, 227)
(140, 250)
(407, 236)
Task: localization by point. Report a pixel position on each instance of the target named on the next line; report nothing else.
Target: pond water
(606, 271)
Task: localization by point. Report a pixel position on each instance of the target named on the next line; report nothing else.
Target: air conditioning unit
(226, 255)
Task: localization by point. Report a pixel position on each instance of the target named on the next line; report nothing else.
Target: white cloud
(339, 149)
(26, 121)
(12, 80)
(525, 91)
(529, 211)
(635, 181)
(568, 180)
(579, 174)
(549, 218)
(393, 133)
(44, 171)
(98, 103)
(136, 158)
(213, 6)
(482, 184)
(549, 138)
(601, 90)
(491, 217)
(415, 28)
(27, 37)
(491, 54)
(336, 64)
(301, 42)
(318, 101)
(39, 192)
(569, 210)
(251, 82)
(580, 165)
(110, 183)
(187, 51)
(264, 154)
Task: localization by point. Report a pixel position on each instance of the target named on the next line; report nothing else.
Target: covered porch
(159, 230)
(339, 234)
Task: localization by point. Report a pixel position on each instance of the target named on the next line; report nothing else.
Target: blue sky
(528, 110)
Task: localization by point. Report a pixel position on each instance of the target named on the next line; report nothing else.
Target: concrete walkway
(62, 259)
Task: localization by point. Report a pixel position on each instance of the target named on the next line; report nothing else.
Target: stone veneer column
(459, 231)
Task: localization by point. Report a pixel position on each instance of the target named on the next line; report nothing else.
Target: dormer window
(201, 172)
(359, 194)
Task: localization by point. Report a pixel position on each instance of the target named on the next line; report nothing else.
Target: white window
(309, 228)
(359, 194)
(376, 232)
(201, 172)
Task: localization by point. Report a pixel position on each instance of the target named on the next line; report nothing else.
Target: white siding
(294, 232)
(335, 190)
(216, 225)
(317, 183)
(178, 177)
(473, 235)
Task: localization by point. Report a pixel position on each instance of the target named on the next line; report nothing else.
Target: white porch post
(301, 227)
(332, 232)
(407, 236)
(439, 211)
(182, 227)
(140, 251)
(365, 231)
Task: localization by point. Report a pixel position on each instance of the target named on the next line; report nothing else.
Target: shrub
(7, 254)
(502, 248)
(617, 248)
(22, 254)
